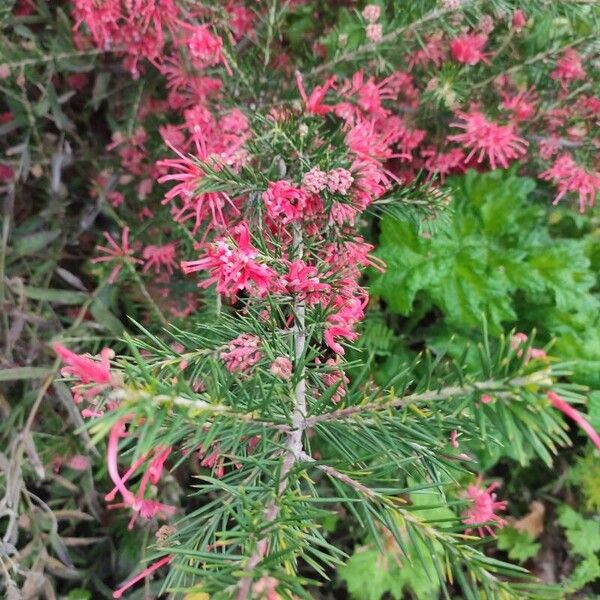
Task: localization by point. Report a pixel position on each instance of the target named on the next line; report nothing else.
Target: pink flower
(235, 122)
(78, 462)
(518, 20)
(335, 376)
(205, 47)
(371, 12)
(548, 147)
(142, 575)
(443, 163)
(242, 354)
(374, 32)
(520, 339)
(314, 181)
(568, 68)
(454, 438)
(160, 256)
(302, 281)
(339, 181)
(571, 177)
(347, 312)
(233, 265)
(486, 399)
(147, 508)
(241, 20)
(486, 24)
(6, 172)
(468, 49)
(188, 172)
(483, 508)
(282, 367)
(576, 416)
(85, 369)
(484, 138)
(120, 254)
(314, 103)
(285, 203)
(433, 51)
(522, 105)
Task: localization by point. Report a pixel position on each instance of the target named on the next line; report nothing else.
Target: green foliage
(585, 474)
(371, 572)
(519, 544)
(583, 536)
(496, 257)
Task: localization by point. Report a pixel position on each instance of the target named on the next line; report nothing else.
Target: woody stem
(294, 451)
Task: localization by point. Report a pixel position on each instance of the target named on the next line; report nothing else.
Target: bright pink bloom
(339, 181)
(282, 367)
(433, 51)
(364, 141)
(302, 281)
(484, 138)
(233, 264)
(486, 24)
(85, 369)
(576, 416)
(518, 20)
(483, 508)
(141, 506)
(371, 13)
(6, 172)
(241, 20)
(314, 181)
(205, 47)
(454, 438)
(522, 105)
(520, 339)
(78, 462)
(334, 376)
(374, 32)
(314, 103)
(486, 399)
(468, 49)
(189, 173)
(347, 313)
(285, 202)
(569, 68)
(443, 164)
(571, 177)
(115, 198)
(243, 353)
(120, 254)
(142, 575)
(160, 256)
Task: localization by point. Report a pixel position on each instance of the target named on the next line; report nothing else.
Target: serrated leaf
(519, 545)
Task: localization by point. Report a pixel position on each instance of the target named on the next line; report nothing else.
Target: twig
(533, 59)
(294, 449)
(335, 474)
(443, 394)
(388, 37)
(27, 62)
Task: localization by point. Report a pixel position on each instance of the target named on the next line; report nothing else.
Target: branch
(294, 449)
(443, 394)
(335, 474)
(388, 37)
